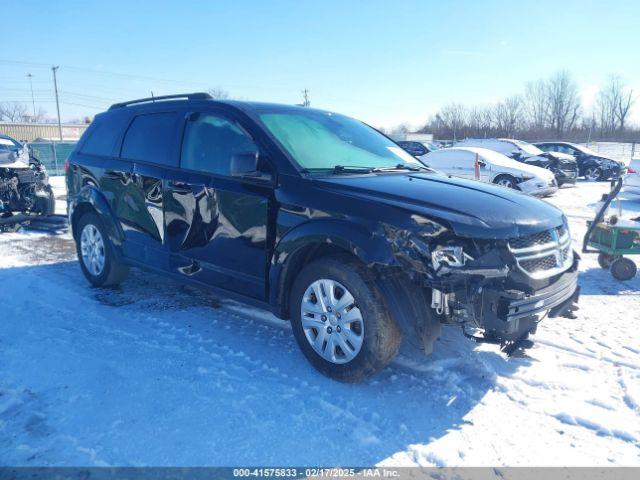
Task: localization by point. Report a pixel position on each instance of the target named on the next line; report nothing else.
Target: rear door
(150, 145)
(216, 224)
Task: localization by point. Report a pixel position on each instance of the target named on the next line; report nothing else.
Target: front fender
(90, 197)
(371, 247)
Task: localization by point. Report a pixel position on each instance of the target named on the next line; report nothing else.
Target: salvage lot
(156, 373)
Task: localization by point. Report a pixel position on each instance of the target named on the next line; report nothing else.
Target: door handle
(180, 187)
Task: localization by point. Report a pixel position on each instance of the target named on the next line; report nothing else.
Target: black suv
(319, 218)
(591, 165)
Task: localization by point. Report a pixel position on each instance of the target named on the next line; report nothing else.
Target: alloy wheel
(592, 173)
(92, 249)
(505, 182)
(331, 321)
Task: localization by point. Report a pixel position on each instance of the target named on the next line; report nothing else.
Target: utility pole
(33, 102)
(55, 86)
(305, 95)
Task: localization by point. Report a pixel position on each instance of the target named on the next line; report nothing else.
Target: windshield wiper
(351, 169)
(402, 166)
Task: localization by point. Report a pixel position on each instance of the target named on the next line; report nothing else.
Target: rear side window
(103, 135)
(149, 138)
(210, 141)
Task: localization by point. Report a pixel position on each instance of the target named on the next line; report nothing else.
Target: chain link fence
(52, 155)
(616, 150)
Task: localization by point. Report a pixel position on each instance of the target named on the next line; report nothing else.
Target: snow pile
(157, 373)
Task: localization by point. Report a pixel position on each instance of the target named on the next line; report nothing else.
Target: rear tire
(96, 253)
(605, 260)
(623, 269)
(333, 345)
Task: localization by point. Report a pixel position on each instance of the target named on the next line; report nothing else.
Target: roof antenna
(152, 97)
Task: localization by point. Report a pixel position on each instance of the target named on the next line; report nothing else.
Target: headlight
(452, 256)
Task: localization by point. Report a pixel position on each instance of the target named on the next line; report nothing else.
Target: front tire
(593, 174)
(340, 321)
(96, 253)
(506, 181)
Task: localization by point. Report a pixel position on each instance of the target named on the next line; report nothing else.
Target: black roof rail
(188, 96)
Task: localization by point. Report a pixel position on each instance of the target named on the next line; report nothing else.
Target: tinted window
(103, 134)
(149, 138)
(548, 147)
(565, 149)
(210, 141)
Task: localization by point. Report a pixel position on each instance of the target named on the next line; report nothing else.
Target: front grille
(531, 240)
(543, 254)
(538, 264)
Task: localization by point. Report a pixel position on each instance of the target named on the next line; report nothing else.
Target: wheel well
(298, 260)
(78, 212)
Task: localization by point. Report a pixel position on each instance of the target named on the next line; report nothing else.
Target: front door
(216, 225)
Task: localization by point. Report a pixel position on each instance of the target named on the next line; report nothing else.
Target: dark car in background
(318, 218)
(416, 148)
(591, 165)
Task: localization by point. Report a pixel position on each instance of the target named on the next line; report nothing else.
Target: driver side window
(210, 142)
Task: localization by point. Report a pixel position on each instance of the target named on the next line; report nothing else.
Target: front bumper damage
(494, 303)
(509, 314)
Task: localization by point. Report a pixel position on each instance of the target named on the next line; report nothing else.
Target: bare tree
(564, 102)
(402, 128)
(613, 104)
(507, 116)
(452, 118)
(620, 101)
(537, 104)
(480, 120)
(605, 107)
(13, 111)
(218, 93)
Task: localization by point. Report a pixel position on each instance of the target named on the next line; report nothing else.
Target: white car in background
(493, 167)
(631, 180)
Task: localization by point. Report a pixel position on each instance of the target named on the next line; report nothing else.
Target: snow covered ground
(161, 374)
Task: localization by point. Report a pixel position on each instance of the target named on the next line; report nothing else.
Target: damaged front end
(24, 189)
(496, 290)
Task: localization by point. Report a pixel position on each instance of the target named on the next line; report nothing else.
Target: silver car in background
(492, 167)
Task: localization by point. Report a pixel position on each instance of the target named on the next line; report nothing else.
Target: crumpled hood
(471, 208)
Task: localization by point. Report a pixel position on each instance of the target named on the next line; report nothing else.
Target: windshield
(528, 148)
(8, 144)
(321, 140)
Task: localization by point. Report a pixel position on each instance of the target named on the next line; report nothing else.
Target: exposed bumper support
(507, 315)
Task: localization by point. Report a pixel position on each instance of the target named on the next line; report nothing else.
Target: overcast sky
(385, 62)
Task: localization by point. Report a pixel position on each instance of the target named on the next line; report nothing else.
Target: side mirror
(515, 154)
(247, 165)
(482, 164)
